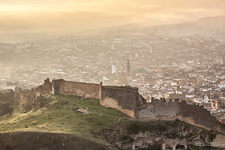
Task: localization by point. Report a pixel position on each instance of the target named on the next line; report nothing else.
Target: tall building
(206, 99)
(114, 69)
(150, 50)
(223, 61)
(128, 67)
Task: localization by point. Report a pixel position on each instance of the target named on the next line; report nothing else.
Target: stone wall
(113, 103)
(21, 95)
(159, 109)
(46, 87)
(219, 141)
(87, 90)
(164, 109)
(125, 99)
(193, 114)
(148, 112)
(128, 100)
(199, 115)
(175, 96)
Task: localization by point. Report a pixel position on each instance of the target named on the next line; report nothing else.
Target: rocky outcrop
(153, 134)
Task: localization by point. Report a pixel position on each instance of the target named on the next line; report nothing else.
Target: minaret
(122, 77)
(128, 67)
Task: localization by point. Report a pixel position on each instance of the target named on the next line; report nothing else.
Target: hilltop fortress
(125, 99)
(129, 101)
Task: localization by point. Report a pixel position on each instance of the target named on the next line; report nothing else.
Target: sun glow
(90, 14)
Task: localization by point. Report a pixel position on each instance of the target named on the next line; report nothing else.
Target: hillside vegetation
(69, 114)
(80, 123)
(73, 115)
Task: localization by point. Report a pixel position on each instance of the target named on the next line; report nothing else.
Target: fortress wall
(159, 109)
(76, 88)
(112, 103)
(46, 87)
(124, 99)
(148, 112)
(164, 109)
(199, 115)
(127, 100)
(22, 95)
(175, 96)
(193, 114)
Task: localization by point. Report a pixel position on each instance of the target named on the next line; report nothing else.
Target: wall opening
(180, 147)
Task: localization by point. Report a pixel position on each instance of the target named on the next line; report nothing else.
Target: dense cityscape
(154, 64)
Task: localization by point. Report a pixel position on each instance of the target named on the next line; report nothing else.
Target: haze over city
(36, 16)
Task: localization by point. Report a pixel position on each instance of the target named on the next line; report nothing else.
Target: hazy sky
(55, 15)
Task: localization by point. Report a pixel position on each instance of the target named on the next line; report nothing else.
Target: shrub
(134, 127)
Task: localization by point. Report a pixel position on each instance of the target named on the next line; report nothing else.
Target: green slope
(60, 115)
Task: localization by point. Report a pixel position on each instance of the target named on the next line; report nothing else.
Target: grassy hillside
(74, 121)
(65, 114)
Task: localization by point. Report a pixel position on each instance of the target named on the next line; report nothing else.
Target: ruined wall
(164, 109)
(148, 112)
(76, 88)
(46, 87)
(193, 114)
(198, 115)
(159, 109)
(29, 95)
(124, 99)
(175, 96)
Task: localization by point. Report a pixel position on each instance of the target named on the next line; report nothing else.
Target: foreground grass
(59, 116)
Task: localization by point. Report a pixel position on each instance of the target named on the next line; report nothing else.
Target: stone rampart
(46, 87)
(22, 95)
(199, 116)
(125, 99)
(193, 114)
(87, 90)
(159, 109)
(128, 100)
(165, 109)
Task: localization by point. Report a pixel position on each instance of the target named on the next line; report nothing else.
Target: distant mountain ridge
(209, 27)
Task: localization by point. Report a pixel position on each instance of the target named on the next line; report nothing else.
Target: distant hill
(209, 27)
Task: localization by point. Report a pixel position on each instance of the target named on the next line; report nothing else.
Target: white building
(206, 99)
(113, 68)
